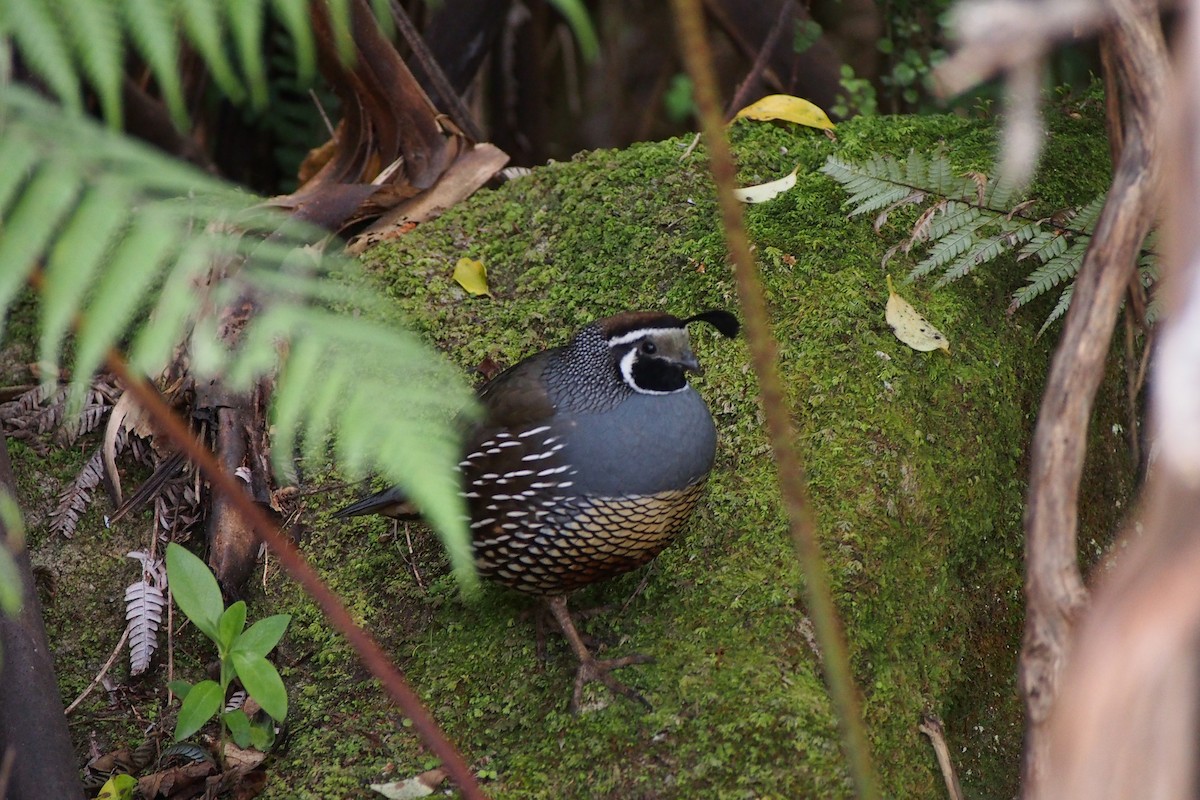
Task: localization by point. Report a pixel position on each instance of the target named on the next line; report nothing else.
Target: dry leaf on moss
(472, 276)
(766, 191)
(910, 327)
(786, 107)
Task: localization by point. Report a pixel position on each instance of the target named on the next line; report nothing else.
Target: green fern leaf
(136, 266)
(941, 176)
(1060, 308)
(355, 363)
(18, 156)
(956, 215)
(1085, 221)
(1045, 245)
(985, 251)
(151, 26)
(869, 201)
(295, 17)
(74, 260)
(949, 247)
(1052, 273)
(32, 223)
(95, 35)
(916, 169)
(246, 24)
(171, 317)
(204, 26)
(32, 25)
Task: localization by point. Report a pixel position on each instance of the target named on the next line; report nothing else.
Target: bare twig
(760, 61)
(697, 56)
(931, 726)
(99, 675)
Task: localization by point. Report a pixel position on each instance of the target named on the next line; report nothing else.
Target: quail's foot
(592, 669)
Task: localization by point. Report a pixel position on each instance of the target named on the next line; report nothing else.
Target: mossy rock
(915, 463)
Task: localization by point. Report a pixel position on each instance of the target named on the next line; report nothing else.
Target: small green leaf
(179, 688)
(262, 682)
(201, 703)
(262, 735)
(262, 636)
(195, 589)
(239, 726)
(231, 624)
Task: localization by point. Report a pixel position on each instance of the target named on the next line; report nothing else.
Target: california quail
(588, 462)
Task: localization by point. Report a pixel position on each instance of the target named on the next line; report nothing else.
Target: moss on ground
(916, 464)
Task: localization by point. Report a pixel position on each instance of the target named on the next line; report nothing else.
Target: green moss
(915, 463)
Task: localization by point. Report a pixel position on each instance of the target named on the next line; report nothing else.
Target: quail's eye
(648, 347)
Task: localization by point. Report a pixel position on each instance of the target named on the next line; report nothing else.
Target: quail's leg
(592, 669)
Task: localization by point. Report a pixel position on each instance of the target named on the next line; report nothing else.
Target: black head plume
(723, 321)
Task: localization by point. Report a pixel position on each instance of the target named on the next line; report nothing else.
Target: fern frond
(145, 602)
(36, 31)
(1045, 245)
(1052, 273)
(987, 250)
(203, 24)
(158, 246)
(63, 41)
(1060, 308)
(951, 245)
(95, 34)
(246, 24)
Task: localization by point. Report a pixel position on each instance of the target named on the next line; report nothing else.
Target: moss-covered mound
(915, 462)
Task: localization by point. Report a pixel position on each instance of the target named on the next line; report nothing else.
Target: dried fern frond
(145, 602)
(74, 500)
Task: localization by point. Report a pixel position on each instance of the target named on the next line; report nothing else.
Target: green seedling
(242, 653)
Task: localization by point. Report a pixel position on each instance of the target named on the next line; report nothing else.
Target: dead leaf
(118, 787)
(126, 415)
(472, 276)
(910, 327)
(420, 786)
(471, 170)
(789, 108)
(767, 191)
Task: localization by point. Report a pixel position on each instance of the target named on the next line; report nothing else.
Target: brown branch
(697, 56)
(1126, 725)
(1054, 587)
(369, 651)
(38, 759)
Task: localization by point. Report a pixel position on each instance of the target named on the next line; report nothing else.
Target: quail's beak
(690, 363)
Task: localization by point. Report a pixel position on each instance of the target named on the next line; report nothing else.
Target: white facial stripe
(633, 336)
(627, 373)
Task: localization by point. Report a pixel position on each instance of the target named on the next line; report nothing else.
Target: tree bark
(1054, 587)
(33, 727)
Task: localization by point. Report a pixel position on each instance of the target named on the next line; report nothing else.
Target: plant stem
(763, 352)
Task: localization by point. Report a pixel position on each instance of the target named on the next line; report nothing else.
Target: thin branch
(369, 651)
(697, 56)
(1054, 586)
(99, 675)
(760, 61)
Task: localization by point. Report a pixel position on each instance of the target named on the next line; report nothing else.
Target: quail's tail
(391, 502)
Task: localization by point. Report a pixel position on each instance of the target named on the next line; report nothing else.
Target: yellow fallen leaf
(118, 787)
(472, 276)
(786, 107)
(910, 327)
(766, 191)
